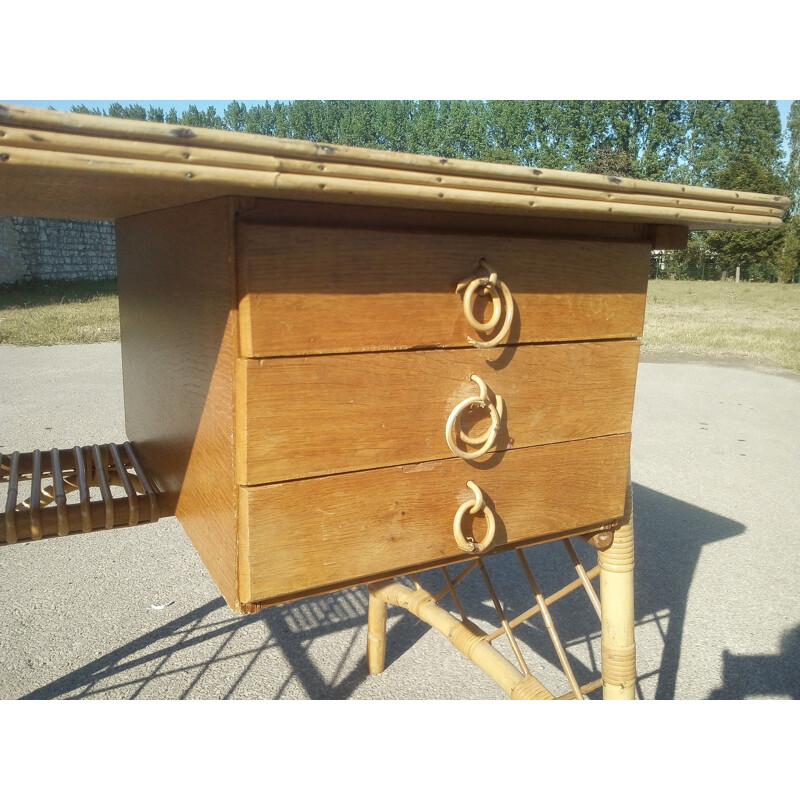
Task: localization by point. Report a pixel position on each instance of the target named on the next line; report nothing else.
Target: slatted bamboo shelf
(60, 500)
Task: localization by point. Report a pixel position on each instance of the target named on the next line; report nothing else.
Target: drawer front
(319, 415)
(307, 290)
(303, 536)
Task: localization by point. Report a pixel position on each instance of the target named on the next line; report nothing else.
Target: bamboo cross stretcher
(618, 653)
(61, 499)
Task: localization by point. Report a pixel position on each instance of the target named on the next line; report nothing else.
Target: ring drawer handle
(487, 285)
(454, 432)
(470, 545)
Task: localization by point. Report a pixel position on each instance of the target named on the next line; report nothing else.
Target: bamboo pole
(550, 625)
(581, 570)
(512, 640)
(59, 493)
(125, 481)
(35, 500)
(83, 490)
(549, 600)
(11, 500)
(584, 689)
(376, 633)
(147, 487)
(455, 581)
(466, 640)
(451, 589)
(102, 483)
(618, 646)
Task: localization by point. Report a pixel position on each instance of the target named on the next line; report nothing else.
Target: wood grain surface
(317, 415)
(307, 291)
(302, 535)
(178, 324)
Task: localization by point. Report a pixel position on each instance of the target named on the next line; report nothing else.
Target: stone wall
(56, 249)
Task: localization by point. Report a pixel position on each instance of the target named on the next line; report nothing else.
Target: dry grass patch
(59, 312)
(757, 322)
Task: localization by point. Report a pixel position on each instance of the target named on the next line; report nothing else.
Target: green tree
(134, 111)
(155, 114)
(752, 161)
(789, 260)
(260, 119)
(83, 109)
(424, 136)
(793, 171)
(234, 117)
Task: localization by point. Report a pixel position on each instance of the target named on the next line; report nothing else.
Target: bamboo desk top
(59, 165)
(361, 330)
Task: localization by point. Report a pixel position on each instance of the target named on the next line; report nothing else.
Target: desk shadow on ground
(236, 655)
(762, 675)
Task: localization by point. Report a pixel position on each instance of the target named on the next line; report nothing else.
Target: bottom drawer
(300, 537)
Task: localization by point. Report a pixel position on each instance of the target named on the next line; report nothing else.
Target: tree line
(728, 144)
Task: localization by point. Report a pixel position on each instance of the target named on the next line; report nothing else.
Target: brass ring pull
(487, 285)
(453, 429)
(470, 545)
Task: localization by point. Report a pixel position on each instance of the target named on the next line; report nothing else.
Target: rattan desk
(343, 365)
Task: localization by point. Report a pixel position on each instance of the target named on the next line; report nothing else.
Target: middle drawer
(320, 415)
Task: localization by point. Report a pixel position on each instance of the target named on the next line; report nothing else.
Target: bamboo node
(529, 688)
(417, 600)
(464, 640)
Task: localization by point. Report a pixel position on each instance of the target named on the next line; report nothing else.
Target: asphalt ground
(132, 613)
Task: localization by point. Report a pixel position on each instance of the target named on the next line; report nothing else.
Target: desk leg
(376, 633)
(618, 648)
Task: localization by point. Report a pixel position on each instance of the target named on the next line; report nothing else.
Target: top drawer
(310, 290)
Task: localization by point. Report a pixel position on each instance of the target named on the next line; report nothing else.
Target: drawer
(302, 536)
(308, 290)
(318, 415)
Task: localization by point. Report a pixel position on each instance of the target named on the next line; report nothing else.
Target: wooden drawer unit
(326, 385)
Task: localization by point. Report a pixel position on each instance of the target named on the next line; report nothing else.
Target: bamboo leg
(618, 648)
(376, 633)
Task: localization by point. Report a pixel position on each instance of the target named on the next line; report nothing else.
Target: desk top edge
(48, 158)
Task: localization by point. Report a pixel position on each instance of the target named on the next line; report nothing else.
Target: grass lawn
(59, 312)
(755, 322)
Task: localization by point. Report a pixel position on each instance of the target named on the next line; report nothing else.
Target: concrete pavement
(132, 613)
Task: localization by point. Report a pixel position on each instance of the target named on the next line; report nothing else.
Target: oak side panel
(179, 329)
(307, 290)
(345, 529)
(318, 415)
